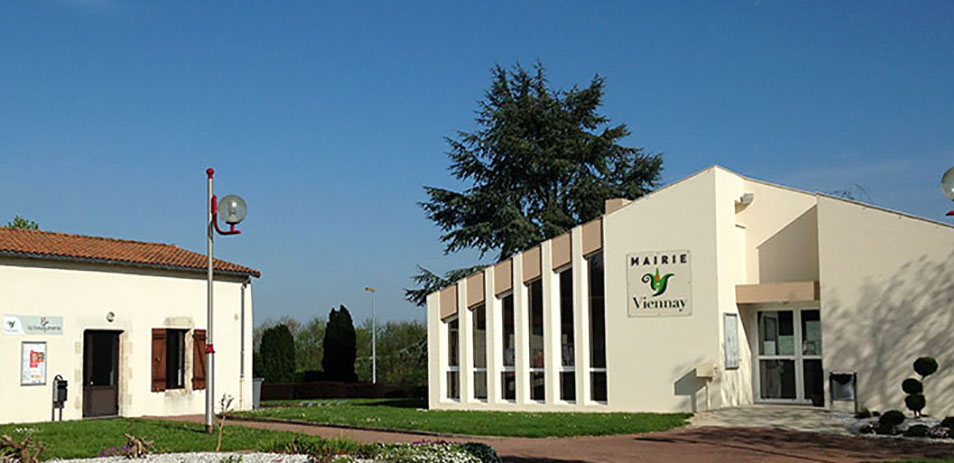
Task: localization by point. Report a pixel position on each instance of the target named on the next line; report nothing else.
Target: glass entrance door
(789, 365)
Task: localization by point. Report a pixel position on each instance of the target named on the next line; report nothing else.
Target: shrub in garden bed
(948, 422)
(324, 451)
(434, 451)
(888, 422)
(320, 450)
(939, 432)
(916, 430)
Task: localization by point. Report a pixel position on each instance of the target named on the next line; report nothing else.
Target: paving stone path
(706, 444)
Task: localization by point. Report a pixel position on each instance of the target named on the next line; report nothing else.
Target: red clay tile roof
(62, 246)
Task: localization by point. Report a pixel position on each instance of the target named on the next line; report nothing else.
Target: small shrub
(135, 447)
(912, 386)
(869, 428)
(891, 418)
(483, 452)
(925, 366)
(948, 422)
(25, 451)
(886, 429)
(916, 430)
(915, 403)
(225, 404)
(318, 449)
(864, 413)
(939, 432)
(231, 459)
(425, 453)
(875, 413)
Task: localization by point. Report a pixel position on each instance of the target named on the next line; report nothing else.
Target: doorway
(789, 357)
(100, 373)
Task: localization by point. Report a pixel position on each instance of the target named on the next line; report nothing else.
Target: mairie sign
(659, 283)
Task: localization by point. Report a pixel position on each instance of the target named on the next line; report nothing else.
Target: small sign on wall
(33, 366)
(659, 283)
(31, 324)
(730, 323)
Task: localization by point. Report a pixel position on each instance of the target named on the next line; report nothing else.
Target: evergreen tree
(339, 347)
(277, 354)
(23, 224)
(541, 162)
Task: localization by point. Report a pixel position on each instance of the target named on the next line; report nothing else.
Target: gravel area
(201, 457)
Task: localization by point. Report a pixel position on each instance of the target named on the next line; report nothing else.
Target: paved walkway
(707, 444)
(788, 417)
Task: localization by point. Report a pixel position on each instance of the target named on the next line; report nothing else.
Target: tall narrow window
(453, 366)
(508, 377)
(567, 351)
(480, 351)
(597, 329)
(537, 375)
(175, 359)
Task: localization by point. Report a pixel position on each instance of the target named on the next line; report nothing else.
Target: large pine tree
(541, 162)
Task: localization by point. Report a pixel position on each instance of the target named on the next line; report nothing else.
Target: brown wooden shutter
(198, 360)
(158, 359)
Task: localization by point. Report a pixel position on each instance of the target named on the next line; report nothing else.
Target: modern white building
(715, 291)
(123, 322)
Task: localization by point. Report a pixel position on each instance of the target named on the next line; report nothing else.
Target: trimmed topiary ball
(915, 402)
(925, 366)
(912, 386)
(948, 422)
(891, 418)
(916, 430)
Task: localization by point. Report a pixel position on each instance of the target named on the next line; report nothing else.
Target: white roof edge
(885, 210)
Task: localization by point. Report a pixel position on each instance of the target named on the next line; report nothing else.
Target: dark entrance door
(100, 373)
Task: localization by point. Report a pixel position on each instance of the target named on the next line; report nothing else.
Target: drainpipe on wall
(245, 284)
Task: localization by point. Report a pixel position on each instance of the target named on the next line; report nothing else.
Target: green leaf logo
(656, 282)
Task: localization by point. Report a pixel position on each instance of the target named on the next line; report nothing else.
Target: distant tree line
(333, 349)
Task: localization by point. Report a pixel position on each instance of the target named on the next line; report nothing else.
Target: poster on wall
(33, 368)
(731, 324)
(659, 284)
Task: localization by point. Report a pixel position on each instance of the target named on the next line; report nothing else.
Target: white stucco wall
(651, 361)
(886, 286)
(141, 300)
(887, 297)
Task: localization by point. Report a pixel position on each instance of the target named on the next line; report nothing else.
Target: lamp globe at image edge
(947, 184)
(232, 209)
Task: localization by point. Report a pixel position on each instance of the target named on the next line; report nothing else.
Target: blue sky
(328, 117)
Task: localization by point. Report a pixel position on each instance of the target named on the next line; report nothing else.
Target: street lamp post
(374, 335)
(235, 210)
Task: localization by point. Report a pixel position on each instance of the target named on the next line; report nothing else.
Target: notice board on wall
(730, 323)
(33, 364)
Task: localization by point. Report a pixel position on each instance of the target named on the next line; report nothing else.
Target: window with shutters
(169, 355)
(198, 359)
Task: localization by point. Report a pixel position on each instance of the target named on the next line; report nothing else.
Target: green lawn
(87, 438)
(411, 414)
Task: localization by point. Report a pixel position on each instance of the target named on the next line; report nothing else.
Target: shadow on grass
(174, 425)
(396, 403)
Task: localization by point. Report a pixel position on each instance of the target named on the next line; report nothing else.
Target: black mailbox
(60, 391)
